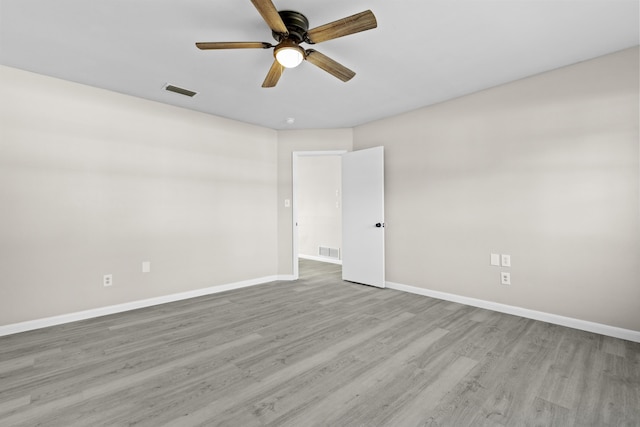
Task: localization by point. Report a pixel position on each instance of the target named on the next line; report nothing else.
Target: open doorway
(317, 207)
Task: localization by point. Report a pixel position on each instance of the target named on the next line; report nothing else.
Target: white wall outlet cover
(505, 278)
(287, 203)
(146, 266)
(107, 280)
(495, 259)
(506, 260)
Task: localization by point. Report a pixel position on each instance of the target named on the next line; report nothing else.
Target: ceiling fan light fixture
(289, 54)
(290, 28)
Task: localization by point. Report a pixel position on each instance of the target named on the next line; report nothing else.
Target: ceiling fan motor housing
(296, 23)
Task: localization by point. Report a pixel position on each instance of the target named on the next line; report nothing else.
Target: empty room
(305, 213)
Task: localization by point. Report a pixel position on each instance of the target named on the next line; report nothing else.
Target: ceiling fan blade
(329, 65)
(233, 45)
(274, 74)
(270, 15)
(343, 27)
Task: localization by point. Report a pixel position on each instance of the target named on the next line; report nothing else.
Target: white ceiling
(423, 51)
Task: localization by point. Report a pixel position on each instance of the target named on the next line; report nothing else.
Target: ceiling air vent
(181, 91)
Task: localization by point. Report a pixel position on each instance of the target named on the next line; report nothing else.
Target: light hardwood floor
(317, 351)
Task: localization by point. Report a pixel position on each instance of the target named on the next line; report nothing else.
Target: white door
(363, 216)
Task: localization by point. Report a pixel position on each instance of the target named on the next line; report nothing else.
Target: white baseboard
(119, 308)
(584, 325)
(598, 328)
(321, 259)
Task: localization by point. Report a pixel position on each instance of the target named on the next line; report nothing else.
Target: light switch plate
(146, 266)
(495, 259)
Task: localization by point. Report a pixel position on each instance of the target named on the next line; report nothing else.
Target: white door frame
(294, 195)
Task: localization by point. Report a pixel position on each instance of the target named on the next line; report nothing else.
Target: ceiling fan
(289, 29)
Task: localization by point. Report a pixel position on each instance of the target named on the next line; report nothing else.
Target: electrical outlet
(505, 278)
(146, 266)
(107, 280)
(506, 260)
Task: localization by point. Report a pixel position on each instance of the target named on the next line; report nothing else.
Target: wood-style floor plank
(316, 352)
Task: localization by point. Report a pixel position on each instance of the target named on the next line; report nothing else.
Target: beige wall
(319, 203)
(288, 142)
(545, 169)
(94, 182)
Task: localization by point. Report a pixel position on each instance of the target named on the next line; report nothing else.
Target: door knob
(380, 224)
